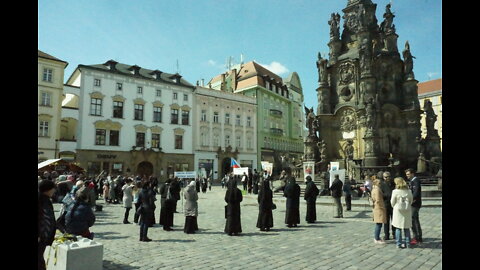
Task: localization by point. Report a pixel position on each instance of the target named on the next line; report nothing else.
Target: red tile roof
(429, 86)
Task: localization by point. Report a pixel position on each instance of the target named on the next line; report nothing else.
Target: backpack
(404, 203)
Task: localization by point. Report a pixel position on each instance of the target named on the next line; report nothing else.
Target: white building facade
(224, 128)
(133, 120)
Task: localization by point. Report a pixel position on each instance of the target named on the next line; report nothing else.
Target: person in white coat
(190, 208)
(127, 198)
(402, 212)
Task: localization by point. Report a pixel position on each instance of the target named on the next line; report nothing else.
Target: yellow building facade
(432, 91)
(50, 95)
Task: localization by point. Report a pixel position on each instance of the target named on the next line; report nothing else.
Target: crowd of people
(396, 203)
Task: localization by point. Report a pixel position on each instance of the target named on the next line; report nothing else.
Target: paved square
(328, 244)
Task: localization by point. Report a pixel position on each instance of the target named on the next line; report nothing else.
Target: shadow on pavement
(317, 225)
(175, 240)
(106, 235)
(431, 243)
(259, 233)
(361, 214)
(286, 229)
(113, 265)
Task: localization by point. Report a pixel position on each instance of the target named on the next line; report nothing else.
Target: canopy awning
(51, 163)
(47, 162)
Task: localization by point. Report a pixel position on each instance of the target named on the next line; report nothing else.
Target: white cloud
(432, 74)
(212, 63)
(276, 67)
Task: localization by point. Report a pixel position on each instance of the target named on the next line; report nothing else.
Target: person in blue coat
(80, 216)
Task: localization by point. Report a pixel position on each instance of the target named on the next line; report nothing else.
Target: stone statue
(361, 17)
(430, 117)
(322, 147)
(408, 61)
(370, 115)
(387, 25)
(310, 115)
(322, 69)
(334, 23)
(420, 145)
(349, 149)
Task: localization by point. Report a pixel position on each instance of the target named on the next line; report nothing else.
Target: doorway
(145, 168)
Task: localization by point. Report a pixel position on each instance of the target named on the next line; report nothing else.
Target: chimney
(222, 86)
(203, 82)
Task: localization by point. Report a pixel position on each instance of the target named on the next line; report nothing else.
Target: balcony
(276, 113)
(276, 131)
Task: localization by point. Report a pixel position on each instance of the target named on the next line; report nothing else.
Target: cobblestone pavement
(328, 244)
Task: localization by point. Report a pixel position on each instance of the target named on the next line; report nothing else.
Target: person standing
(168, 202)
(46, 219)
(311, 193)
(80, 216)
(265, 203)
(255, 181)
(209, 181)
(204, 185)
(106, 191)
(336, 189)
(250, 183)
(244, 181)
(416, 189)
(379, 211)
(175, 190)
(135, 191)
(127, 199)
(292, 192)
(402, 211)
(190, 208)
(146, 209)
(233, 197)
(347, 189)
(387, 195)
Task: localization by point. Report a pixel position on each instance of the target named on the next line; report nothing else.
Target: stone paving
(328, 244)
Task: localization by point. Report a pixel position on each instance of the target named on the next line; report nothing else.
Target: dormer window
(111, 64)
(135, 70)
(176, 78)
(156, 74)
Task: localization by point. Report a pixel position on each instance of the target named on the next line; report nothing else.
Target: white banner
(185, 174)
(340, 173)
(240, 171)
(267, 166)
(334, 166)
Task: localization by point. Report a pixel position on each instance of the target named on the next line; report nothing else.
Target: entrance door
(145, 168)
(226, 166)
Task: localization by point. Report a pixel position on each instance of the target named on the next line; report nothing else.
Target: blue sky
(285, 35)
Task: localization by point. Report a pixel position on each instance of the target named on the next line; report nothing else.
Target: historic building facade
(278, 113)
(50, 90)
(224, 128)
(132, 120)
(431, 91)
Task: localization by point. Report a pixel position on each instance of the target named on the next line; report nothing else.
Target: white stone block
(84, 254)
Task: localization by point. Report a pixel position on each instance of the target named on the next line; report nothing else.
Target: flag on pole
(234, 164)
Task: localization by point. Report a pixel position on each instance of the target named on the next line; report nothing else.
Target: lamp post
(56, 147)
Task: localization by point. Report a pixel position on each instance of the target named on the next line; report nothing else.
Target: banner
(340, 173)
(267, 166)
(240, 171)
(185, 174)
(308, 170)
(334, 166)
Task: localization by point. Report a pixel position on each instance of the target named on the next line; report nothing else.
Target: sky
(196, 37)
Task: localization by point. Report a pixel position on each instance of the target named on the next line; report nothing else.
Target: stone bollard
(79, 255)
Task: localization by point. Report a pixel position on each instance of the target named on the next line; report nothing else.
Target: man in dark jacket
(80, 216)
(292, 192)
(416, 189)
(175, 189)
(336, 188)
(46, 219)
(311, 193)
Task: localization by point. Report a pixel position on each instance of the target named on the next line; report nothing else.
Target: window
(159, 93)
(96, 106)
(119, 86)
(139, 90)
(140, 140)
(237, 122)
(227, 140)
(175, 96)
(47, 75)
(118, 109)
(114, 137)
(46, 99)
(249, 143)
(249, 121)
(178, 141)
(185, 97)
(157, 114)
(138, 112)
(96, 82)
(174, 117)
(155, 140)
(100, 136)
(185, 115)
(204, 116)
(43, 132)
(215, 117)
(238, 142)
(227, 119)
(216, 142)
(267, 84)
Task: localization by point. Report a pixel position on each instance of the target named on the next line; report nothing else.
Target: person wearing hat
(46, 219)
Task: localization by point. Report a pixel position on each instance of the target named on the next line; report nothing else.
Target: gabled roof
(143, 73)
(293, 81)
(48, 56)
(429, 86)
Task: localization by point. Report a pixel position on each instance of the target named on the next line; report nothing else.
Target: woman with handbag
(265, 206)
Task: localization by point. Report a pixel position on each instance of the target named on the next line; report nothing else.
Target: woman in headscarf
(292, 192)
(233, 197)
(311, 193)
(146, 208)
(167, 202)
(191, 208)
(265, 216)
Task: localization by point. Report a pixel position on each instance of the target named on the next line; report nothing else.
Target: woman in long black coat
(233, 197)
(292, 192)
(311, 193)
(146, 208)
(265, 216)
(168, 204)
